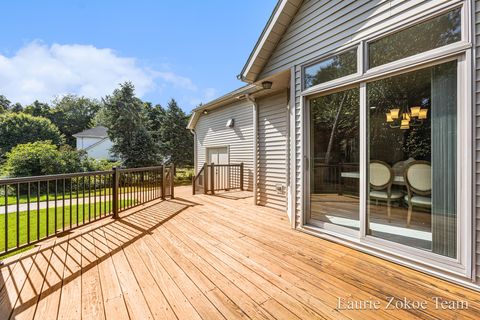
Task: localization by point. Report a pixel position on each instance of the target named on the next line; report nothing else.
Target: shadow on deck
(204, 257)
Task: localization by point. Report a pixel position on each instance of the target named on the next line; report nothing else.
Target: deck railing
(215, 177)
(35, 208)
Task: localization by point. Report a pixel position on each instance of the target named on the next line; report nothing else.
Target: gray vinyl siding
(272, 151)
(477, 138)
(320, 27)
(211, 131)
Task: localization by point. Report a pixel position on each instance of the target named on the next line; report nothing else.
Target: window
(422, 37)
(335, 156)
(412, 151)
(332, 68)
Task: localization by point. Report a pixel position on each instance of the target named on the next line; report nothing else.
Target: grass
(85, 213)
(33, 198)
(183, 176)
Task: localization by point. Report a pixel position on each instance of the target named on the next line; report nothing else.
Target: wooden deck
(210, 257)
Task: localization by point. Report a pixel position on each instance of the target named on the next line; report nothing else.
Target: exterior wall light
(267, 84)
(230, 123)
(205, 111)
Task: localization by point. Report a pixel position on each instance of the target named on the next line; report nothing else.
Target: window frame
(460, 51)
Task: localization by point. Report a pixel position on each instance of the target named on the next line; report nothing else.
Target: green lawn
(89, 211)
(43, 197)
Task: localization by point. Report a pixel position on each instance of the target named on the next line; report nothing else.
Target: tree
(38, 109)
(4, 104)
(72, 114)
(174, 140)
(17, 128)
(125, 117)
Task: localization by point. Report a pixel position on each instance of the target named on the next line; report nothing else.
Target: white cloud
(38, 71)
(41, 72)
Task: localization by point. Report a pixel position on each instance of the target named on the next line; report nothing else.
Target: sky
(189, 50)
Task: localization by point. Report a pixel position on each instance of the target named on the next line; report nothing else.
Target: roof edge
(261, 40)
(220, 102)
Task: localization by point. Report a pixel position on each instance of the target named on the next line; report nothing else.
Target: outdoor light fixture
(267, 84)
(411, 117)
(230, 123)
(205, 111)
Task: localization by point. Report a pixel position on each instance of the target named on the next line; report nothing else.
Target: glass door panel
(334, 159)
(412, 159)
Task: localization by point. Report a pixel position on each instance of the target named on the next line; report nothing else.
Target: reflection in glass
(422, 37)
(332, 68)
(334, 165)
(412, 151)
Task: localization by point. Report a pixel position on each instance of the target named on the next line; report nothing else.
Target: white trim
(263, 39)
(363, 185)
(291, 156)
(399, 66)
(471, 9)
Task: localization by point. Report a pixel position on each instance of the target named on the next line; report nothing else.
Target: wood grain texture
(209, 257)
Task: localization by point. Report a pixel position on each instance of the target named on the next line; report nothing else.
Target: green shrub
(19, 128)
(43, 157)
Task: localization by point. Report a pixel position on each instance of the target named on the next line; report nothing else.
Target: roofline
(261, 40)
(220, 102)
(88, 136)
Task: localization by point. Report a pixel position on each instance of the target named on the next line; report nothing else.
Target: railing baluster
(94, 197)
(71, 204)
(28, 212)
(48, 209)
(56, 200)
(89, 199)
(105, 195)
(76, 200)
(38, 210)
(83, 199)
(6, 217)
(63, 205)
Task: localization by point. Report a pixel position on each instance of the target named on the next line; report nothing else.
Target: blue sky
(188, 50)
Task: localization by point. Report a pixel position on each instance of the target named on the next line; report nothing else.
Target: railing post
(172, 180)
(193, 183)
(163, 182)
(241, 176)
(115, 179)
(205, 178)
(212, 178)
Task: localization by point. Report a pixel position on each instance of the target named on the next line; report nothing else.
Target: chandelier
(412, 117)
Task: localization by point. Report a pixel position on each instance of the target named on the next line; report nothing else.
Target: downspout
(194, 151)
(255, 145)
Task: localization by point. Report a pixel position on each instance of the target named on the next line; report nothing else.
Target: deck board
(209, 257)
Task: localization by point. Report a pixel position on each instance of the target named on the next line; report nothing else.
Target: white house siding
(477, 136)
(101, 150)
(211, 131)
(272, 151)
(97, 148)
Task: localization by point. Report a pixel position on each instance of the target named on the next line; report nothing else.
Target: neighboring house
(359, 121)
(95, 142)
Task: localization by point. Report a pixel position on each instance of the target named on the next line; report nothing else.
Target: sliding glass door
(412, 130)
(334, 154)
(387, 143)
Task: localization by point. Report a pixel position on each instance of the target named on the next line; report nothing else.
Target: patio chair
(381, 179)
(418, 178)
